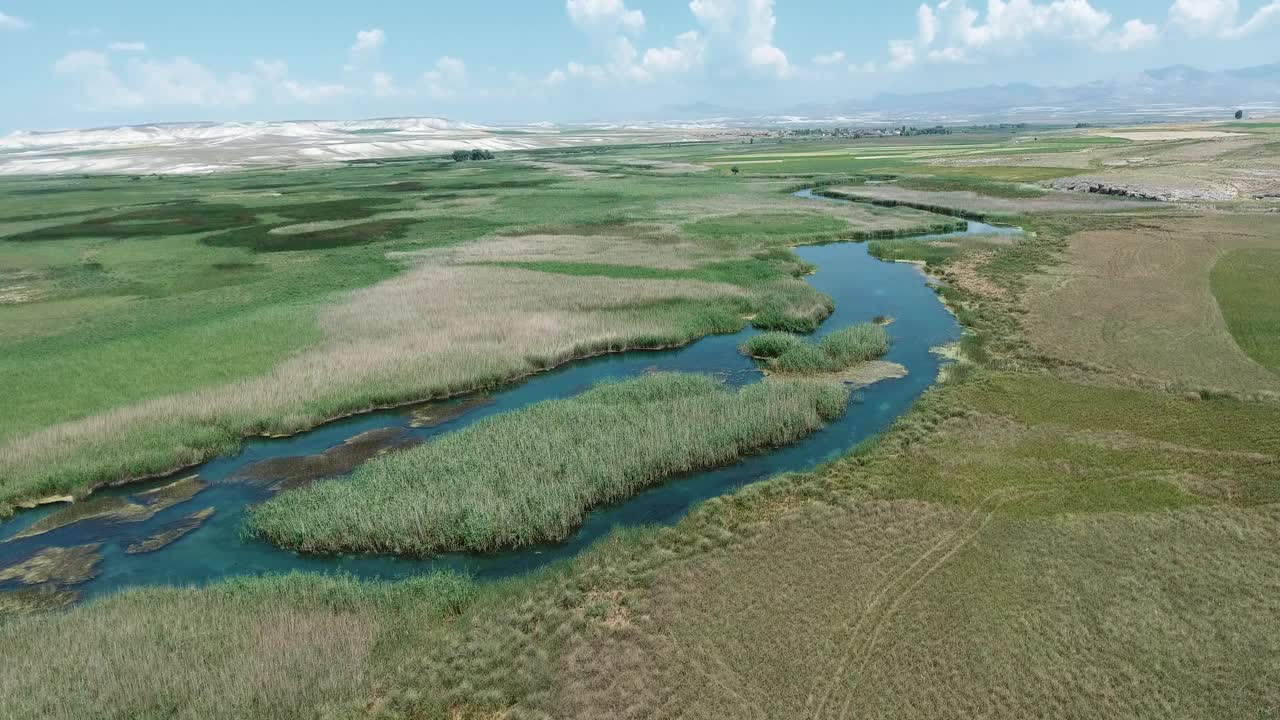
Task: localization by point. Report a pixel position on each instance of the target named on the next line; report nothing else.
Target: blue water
(862, 287)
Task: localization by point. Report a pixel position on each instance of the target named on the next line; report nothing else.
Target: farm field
(1078, 520)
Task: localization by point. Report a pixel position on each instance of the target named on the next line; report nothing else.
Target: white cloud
(748, 26)
(9, 22)
(1218, 18)
(902, 54)
(1133, 34)
(92, 70)
(609, 23)
(178, 81)
(832, 58)
(271, 69)
(604, 16)
(368, 43)
(950, 31)
(310, 93)
(275, 74)
(128, 46)
(928, 24)
(446, 79)
(384, 86)
(681, 58)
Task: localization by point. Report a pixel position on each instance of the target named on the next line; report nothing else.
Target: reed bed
(787, 353)
(530, 476)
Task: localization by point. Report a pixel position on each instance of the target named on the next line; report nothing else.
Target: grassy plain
(1242, 282)
(1074, 524)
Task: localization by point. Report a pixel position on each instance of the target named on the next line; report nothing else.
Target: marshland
(566, 434)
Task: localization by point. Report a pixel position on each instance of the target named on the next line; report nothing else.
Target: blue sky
(75, 63)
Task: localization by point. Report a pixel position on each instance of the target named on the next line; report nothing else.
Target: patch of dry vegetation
(288, 647)
(1137, 299)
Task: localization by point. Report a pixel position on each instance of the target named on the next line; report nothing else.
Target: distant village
(879, 132)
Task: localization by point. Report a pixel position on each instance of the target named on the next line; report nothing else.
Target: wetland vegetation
(1080, 519)
(790, 354)
(528, 476)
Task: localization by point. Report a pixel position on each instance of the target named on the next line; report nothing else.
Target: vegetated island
(530, 476)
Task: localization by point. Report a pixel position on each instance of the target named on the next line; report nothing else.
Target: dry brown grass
(608, 249)
(866, 218)
(251, 672)
(1138, 300)
(915, 610)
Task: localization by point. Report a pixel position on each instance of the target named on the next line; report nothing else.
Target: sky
(88, 63)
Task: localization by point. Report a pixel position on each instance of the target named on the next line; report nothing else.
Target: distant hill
(1177, 91)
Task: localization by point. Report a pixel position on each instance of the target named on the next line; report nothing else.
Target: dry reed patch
(203, 658)
(965, 272)
(1138, 300)
(862, 374)
(446, 321)
(605, 249)
(908, 610)
(860, 217)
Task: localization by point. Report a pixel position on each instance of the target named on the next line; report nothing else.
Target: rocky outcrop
(1144, 189)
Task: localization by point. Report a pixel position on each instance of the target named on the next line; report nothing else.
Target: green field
(1244, 283)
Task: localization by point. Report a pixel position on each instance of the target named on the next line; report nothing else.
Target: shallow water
(862, 287)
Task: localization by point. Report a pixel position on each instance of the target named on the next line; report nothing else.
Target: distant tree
(734, 170)
(1239, 114)
(473, 154)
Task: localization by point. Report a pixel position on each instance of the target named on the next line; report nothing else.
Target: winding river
(861, 286)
